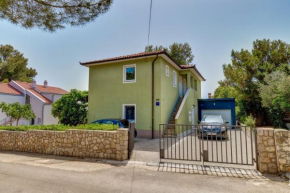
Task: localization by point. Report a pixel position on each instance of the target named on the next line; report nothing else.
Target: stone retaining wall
(282, 140)
(273, 150)
(267, 159)
(76, 143)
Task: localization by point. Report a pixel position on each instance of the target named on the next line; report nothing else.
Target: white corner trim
(182, 104)
(123, 111)
(36, 96)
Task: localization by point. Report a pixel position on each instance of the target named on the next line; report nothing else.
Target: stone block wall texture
(267, 159)
(282, 140)
(76, 143)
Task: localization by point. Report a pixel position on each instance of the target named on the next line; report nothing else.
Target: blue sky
(212, 27)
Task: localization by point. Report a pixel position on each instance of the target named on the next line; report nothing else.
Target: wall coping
(85, 130)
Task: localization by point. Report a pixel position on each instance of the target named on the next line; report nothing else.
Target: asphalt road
(28, 173)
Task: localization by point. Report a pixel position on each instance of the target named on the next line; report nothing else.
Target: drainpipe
(152, 120)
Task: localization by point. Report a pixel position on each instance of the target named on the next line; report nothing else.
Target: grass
(60, 127)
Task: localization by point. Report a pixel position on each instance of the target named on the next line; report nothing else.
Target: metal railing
(209, 143)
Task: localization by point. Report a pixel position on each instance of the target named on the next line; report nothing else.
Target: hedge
(60, 127)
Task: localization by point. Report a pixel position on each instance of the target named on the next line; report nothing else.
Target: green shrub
(60, 127)
(250, 121)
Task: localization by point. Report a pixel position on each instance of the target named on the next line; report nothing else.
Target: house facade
(40, 97)
(148, 88)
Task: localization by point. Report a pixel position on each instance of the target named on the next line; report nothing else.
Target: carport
(218, 106)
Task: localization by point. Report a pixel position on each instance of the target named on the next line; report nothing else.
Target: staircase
(170, 129)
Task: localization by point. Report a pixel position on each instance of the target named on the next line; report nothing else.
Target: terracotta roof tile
(141, 54)
(39, 95)
(41, 88)
(7, 89)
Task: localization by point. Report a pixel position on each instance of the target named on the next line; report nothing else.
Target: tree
(71, 109)
(275, 95)
(16, 111)
(248, 69)
(181, 53)
(14, 65)
(225, 92)
(51, 15)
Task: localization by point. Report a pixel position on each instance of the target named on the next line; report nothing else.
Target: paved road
(33, 173)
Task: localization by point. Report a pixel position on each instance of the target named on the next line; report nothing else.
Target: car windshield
(212, 119)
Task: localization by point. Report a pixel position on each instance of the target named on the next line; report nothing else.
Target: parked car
(123, 123)
(212, 125)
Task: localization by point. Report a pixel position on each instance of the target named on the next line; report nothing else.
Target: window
(174, 79)
(129, 112)
(167, 70)
(129, 73)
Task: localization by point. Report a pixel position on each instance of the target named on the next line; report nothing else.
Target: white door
(180, 87)
(225, 113)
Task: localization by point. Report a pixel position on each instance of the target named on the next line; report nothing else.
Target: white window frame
(124, 73)
(167, 70)
(124, 111)
(174, 74)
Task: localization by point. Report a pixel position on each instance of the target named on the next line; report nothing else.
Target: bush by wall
(60, 127)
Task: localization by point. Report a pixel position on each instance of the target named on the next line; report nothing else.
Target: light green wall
(184, 115)
(169, 93)
(108, 93)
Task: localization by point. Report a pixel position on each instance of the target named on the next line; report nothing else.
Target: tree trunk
(17, 122)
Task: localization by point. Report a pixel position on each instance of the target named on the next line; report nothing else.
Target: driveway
(34, 173)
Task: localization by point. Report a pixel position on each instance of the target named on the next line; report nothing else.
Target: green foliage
(60, 127)
(275, 94)
(52, 14)
(249, 68)
(16, 111)
(276, 91)
(181, 53)
(250, 121)
(14, 65)
(71, 109)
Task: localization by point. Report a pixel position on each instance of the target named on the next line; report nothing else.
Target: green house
(148, 88)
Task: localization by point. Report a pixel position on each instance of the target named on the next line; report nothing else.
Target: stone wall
(273, 150)
(282, 140)
(267, 159)
(76, 143)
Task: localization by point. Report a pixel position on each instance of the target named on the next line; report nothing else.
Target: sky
(213, 28)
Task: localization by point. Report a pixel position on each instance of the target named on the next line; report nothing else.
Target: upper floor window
(167, 70)
(174, 79)
(129, 73)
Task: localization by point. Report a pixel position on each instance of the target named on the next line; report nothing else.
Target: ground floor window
(129, 112)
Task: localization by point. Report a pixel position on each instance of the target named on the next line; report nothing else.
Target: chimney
(34, 84)
(45, 84)
(209, 95)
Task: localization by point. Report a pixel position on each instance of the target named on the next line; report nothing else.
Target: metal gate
(217, 144)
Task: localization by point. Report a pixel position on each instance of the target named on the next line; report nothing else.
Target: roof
(7, 89)
(42, 89)
(38, 95)
(142, 54)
